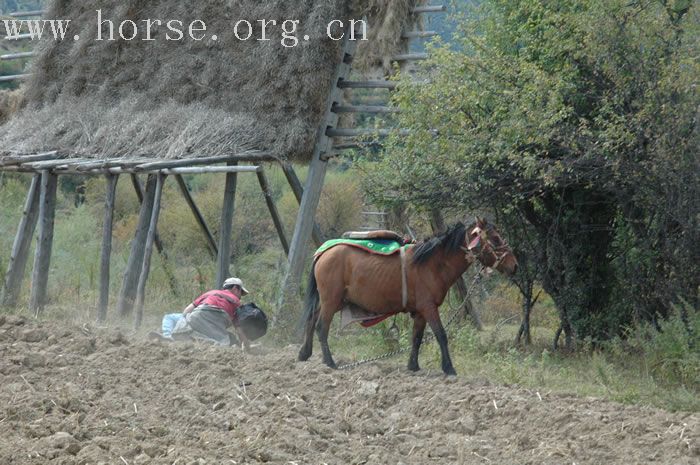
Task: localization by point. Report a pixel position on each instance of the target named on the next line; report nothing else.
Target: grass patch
(490, 355)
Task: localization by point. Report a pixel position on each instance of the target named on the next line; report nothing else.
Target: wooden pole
(460, 287)
(289, 302)
(148, 252)
(298, 191)
(264, 185)
(21, 245)
(106, 254)
(159, 244)
(226, 228)
(127, 294)
(42, 256)
(211, 242)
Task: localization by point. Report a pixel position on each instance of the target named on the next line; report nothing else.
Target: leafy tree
(578, 119)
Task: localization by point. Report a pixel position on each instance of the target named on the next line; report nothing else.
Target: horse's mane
(450, 240)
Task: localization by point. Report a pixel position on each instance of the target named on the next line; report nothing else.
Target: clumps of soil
(85, 395)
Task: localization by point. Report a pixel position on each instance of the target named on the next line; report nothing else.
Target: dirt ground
(81, 395)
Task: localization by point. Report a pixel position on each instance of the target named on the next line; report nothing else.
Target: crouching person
(211, 315)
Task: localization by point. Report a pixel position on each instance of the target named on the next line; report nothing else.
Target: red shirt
(223, 300)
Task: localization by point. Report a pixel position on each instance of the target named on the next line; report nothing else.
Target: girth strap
(404, 285)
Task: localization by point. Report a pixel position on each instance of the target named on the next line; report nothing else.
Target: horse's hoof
(450, 372)
(413, 368)
(303, 356)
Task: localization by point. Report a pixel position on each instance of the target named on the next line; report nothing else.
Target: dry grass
(190, 99)
(10, 101)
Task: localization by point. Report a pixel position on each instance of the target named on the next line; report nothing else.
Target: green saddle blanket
(375, 246)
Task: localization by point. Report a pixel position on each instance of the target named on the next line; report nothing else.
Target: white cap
(230, 282)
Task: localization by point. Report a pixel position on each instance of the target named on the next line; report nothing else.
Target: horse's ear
(480, 222)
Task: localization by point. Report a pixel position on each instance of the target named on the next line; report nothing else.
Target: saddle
(378, 234)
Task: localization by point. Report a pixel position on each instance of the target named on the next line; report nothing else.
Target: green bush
(671, 354)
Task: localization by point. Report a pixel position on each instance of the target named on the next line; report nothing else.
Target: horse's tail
(312, 298)
(311, 307)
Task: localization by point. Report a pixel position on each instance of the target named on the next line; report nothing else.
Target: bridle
(476, 243)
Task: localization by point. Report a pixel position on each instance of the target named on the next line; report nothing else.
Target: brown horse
(346, 275)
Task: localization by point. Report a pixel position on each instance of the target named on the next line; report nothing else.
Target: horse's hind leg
(323, 327)
(418, 329)
(307, 348)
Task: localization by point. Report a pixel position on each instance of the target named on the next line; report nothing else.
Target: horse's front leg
(418, 329)
(433, 318)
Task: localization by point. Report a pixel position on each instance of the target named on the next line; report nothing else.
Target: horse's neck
(450, 265)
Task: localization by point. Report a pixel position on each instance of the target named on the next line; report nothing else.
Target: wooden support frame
(17, 56)
(299, 247)
(298, 191)
(276, 219)
(223, 261)
(159, 244)
(127, 294)
(148, 252)
(26, 14)
(42, 256)
(211, 242)
(106, 251)
(364, 109)
(20, 247)
(19, 159)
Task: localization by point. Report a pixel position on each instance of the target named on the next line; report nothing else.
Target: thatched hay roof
(191, 98)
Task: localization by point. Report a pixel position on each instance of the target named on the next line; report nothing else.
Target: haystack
(10, 101)
(191, 98)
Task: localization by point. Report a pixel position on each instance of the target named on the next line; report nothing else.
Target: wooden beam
(211, 242)
(226, 229)
(19, 37)
(19, 159)
(16, 56)
(106, 253)
(25, 14)
(429, 9)
(127, 294)
(288, 309)
(364, 109)
(418, 34)
(14, 77)
(159, 244)
(210, 169)
(21, 245)
(42, 256)
(148, 252)
(298, 191)
(344, 84)
(354, 132)
(253, 156)
(279, 226)
(47, 164)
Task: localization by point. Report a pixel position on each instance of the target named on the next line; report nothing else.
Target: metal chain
(428, 337)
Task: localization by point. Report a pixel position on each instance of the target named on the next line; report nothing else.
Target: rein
(404, 280)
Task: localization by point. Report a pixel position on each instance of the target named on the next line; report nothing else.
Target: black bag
(252, 321)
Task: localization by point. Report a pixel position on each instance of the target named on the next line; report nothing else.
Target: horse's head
(486, 244)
